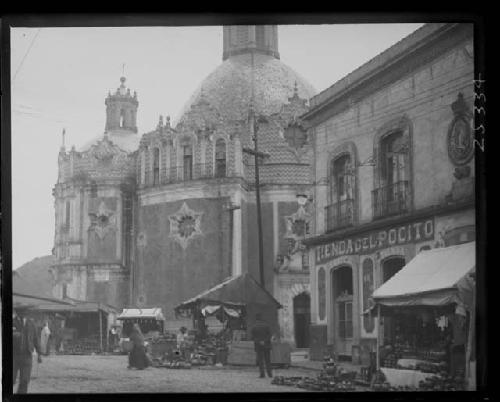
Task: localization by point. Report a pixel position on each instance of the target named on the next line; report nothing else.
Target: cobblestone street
(102, 374)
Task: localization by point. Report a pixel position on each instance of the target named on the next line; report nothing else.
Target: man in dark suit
(261, 335)
(25, 341)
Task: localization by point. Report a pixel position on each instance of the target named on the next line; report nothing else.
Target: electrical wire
(25, 55)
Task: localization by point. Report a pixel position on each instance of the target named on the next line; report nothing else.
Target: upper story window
(67, 216)
(220, 158)
(392, 194)
(187, 152)
(340, 211)
(156, 166)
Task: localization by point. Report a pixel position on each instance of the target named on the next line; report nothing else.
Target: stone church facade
(154, 219)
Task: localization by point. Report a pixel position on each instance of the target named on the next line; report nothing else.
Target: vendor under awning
(436, 280)
(238, 297)
(436, 277)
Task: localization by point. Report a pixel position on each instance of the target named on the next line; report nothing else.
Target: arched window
(368, 287)
(340, 212)
(187, 152)
(391, 266)
(393, 193)
(67, 219)
(220, 158)
(122, 118)
(156, 167)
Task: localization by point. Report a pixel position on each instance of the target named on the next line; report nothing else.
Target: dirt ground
(109, 373)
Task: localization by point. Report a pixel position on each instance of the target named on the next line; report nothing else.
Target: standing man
(261, 335)
(25, 341)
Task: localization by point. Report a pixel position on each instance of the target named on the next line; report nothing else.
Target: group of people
(27, 339)
(261, 335)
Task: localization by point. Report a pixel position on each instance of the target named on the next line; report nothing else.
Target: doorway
(302, 319)
(342, 286)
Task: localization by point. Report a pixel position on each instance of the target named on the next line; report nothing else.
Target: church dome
(229, 88)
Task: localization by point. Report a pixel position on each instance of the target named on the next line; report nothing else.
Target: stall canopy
(234, 292)
(138, 313)
(240, 295)
(435, 277)
(78, 306)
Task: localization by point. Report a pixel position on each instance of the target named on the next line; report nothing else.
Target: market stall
(424, 311)
(84, 329)
(151, 322)
(235, 302)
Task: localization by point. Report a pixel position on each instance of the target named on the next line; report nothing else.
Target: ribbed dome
(228, 88)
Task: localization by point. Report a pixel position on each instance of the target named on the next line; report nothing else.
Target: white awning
(138, 313)
(433, 277)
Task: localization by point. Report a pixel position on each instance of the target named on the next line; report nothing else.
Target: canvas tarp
(437, 277)
(241, 293)
(138, 313)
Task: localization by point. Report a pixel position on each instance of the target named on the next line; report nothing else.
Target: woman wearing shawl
(137, 356)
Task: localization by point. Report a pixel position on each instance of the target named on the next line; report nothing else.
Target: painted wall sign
(375, 240)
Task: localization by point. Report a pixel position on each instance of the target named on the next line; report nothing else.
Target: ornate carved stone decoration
(296, 228)
(103, 221)
(293, 129)
(460, 136)
(185, 224)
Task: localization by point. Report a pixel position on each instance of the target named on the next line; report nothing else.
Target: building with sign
(394, 174)
(152, 220)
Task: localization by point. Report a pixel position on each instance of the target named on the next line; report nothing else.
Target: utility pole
(254, 128)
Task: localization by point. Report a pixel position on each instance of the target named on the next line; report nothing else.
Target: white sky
(63, 79)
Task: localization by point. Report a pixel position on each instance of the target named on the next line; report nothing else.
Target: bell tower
(240, 39)
(121, 110)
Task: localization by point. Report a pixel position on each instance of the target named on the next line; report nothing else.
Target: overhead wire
(26, 55)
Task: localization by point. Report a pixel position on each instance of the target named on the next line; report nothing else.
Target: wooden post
(378, 337)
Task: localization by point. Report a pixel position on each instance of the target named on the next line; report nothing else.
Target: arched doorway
(302, 319)
(390, 267)
(342, 297)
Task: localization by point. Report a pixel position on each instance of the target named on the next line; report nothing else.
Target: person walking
(261, 335)
(25, 341)
(45, 335)
(137, 356)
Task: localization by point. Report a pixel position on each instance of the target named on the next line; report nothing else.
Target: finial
(168, 122)
(135, 94)
(160, 122)
(63, 139)
(122, 80)
(295, 90)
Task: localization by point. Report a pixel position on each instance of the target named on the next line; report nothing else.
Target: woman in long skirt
(44, 341)
(137, 356)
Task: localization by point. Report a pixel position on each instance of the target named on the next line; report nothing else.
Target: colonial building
(153, 220)
(394, 175)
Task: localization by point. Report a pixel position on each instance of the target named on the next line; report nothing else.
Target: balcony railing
(179, 174)
(393, 199)
(339, 215)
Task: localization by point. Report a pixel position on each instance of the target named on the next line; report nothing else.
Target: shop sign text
(377, 239)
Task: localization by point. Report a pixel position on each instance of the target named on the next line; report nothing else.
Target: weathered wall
(169, 273)
(424, 97)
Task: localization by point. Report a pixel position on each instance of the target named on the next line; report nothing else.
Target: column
(236, 252)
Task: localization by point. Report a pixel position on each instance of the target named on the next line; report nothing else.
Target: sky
(61, 76)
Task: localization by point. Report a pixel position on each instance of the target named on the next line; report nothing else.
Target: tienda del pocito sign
(375, 240)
